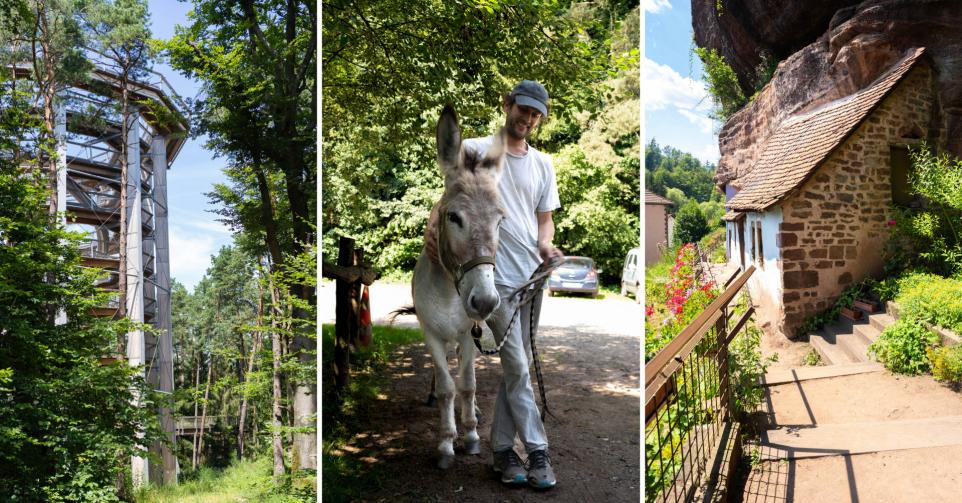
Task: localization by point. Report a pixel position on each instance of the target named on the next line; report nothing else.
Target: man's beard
(512, 130)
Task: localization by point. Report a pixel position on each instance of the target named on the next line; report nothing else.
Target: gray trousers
(515, 411)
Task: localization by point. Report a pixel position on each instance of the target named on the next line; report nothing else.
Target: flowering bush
(685, 295)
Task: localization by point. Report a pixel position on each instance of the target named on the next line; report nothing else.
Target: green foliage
(257, 66)
(927, 236)
(68, 424)
(812, 357)
(722, 83)
(690, 224)
(937, 301)
(384, 85)
(846, 299)
(676, 196)
(713, 211)
(244, 480)
(946, 363)
(902, 347)
(747, 366)
(667, 168)
(599, 214)
(713, 245)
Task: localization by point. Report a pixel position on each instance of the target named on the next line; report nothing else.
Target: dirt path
(592, 372)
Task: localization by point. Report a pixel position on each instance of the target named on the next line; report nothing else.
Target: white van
(631, 274)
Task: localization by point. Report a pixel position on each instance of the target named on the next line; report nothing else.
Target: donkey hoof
(446, 461)
(432, 401)
(473, 448)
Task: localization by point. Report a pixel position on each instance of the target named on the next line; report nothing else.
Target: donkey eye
(454, 218)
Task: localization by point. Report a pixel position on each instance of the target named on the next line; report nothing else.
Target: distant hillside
(669, 168)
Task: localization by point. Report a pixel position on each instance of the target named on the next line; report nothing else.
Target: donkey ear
(449, 139)
(494, 158)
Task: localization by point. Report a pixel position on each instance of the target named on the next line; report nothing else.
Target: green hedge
(932, 299)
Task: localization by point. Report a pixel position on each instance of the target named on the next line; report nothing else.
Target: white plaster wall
(766, 285)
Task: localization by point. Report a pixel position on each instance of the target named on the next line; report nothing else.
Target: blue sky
(195, 234)
(676, 103)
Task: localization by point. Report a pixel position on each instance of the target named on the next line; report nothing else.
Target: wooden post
(342, 326)
(356, 300)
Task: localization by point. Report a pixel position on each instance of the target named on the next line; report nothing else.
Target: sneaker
(540, 474)
(509, 465)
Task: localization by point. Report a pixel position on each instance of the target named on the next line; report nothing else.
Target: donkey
(451, 297)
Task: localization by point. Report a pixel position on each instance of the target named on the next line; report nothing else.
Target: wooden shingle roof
(652, 198)
(802, 143)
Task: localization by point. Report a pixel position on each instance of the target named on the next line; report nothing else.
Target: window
(758, 254)
(761, 253)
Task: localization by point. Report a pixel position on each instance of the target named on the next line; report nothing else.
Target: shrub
(902, 347)
(946, 363)
(723, 84)
(928, 237)
(690, 225)
(685, 297)
(932, 299)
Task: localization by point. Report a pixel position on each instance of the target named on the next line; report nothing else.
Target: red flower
(891, 223)
(649, 310)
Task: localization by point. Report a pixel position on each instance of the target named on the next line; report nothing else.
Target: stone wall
(835, 226)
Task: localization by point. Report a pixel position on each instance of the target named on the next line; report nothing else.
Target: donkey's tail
(401, 312)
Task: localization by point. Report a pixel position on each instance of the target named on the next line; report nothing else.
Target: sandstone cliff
(828, 49)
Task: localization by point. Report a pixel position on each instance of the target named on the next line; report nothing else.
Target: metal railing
(688, 399)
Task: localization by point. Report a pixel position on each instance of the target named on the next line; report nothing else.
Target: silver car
(576, 275)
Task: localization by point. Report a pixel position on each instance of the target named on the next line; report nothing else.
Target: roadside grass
(346, 477)
(243, 481)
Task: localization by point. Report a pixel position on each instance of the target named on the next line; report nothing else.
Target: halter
(459, 269)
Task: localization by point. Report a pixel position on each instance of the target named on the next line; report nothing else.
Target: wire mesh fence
(688, 400)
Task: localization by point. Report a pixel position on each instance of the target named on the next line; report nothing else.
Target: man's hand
(549, 253)
(431, 233)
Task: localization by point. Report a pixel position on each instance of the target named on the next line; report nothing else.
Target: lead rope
(530, 291)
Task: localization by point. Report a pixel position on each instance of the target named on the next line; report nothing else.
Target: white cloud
(663, 88)
(702, 121)
(656, 6)
(191, 245)
(709, 153)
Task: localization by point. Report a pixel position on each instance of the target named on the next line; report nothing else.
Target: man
(529, 192)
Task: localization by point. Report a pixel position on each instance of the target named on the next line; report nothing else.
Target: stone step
(791, 375)
(824, 344)
(842, 335)
(852, 345)
(796, 442)
(866, 332)
(880, 321)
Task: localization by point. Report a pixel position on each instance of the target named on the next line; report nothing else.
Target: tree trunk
(255, 347)
(193, 456)
(203, 413)
(276, 419)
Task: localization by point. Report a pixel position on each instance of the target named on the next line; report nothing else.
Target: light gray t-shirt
(527, 186)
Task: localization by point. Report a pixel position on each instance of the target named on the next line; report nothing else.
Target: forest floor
(246, 481)
(591, 350)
